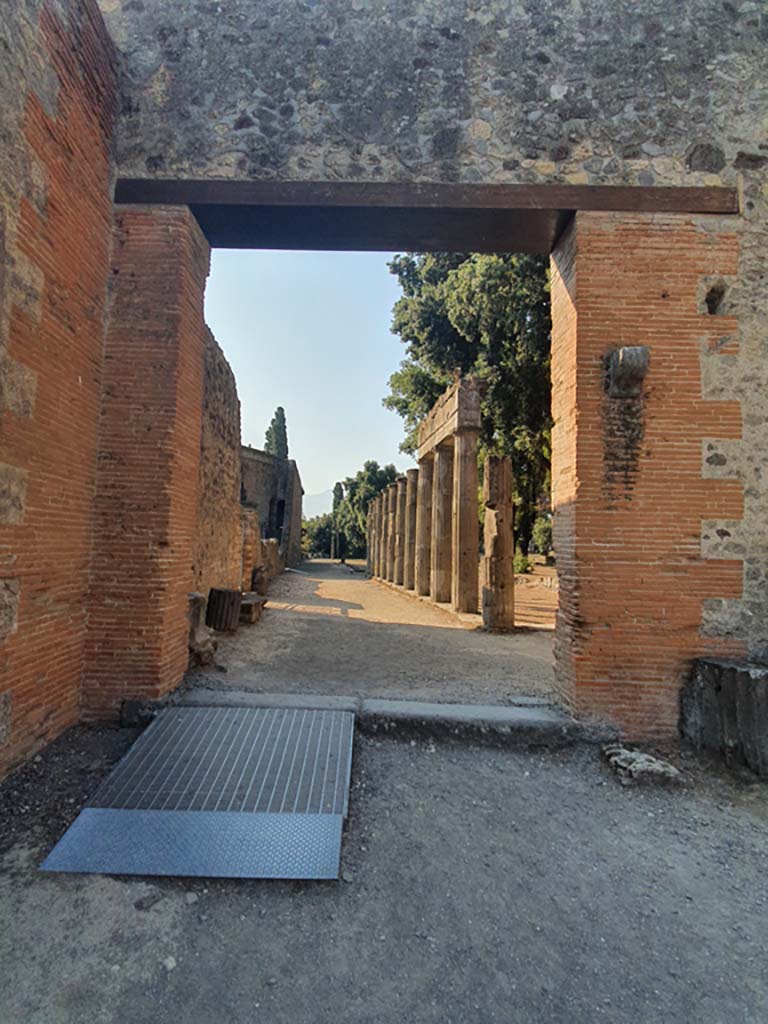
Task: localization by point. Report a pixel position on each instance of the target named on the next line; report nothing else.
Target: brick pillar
(442, 505)
(411, 488)
(466, 541)
(635, 530)
(148, 459)
(382, 535)
(423, 527)
(400, 531)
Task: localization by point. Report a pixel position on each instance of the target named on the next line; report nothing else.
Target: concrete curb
(528, 723)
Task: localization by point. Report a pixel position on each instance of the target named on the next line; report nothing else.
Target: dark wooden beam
(651, 199)
(397, 216)
(382, 229)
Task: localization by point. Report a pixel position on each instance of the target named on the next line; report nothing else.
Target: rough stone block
(724, 709)
(13, 492)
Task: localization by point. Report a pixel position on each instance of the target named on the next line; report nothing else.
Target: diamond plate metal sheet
(206, 844)
(221, 792)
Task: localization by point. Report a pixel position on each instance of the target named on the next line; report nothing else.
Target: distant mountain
(316, 504)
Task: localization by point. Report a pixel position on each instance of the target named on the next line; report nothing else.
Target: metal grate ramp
(220, 792)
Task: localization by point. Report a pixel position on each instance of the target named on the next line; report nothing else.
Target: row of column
(423, 529)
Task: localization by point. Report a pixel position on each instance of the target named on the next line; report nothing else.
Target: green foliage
(542, 534)
(521, 563)
(351, 513)
(485, 315)
(338, 495)
(316, 536)
(276, 437)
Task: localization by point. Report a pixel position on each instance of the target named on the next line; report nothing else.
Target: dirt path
(332, 631)
(478, 886)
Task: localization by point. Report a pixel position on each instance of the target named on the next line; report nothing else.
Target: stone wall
(272, 488)
(218, 551)
(648, 92)
(57, 103)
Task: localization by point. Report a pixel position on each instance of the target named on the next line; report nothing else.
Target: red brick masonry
(627, 473)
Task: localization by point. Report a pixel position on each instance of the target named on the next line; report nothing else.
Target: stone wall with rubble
(272, 488)
(57, 104)
(218, 551)
(636, 92)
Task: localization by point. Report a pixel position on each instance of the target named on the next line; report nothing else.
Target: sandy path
(332, 631)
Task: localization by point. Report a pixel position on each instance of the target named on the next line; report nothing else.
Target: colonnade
(423, 531)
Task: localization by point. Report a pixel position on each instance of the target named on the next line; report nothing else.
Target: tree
(359, 492)
(485, 315)
(276, 438)
(316, 536)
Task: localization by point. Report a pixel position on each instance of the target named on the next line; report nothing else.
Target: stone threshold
(528, 722)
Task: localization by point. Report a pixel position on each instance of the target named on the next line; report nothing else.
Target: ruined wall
(218, 551)
(251, 550)
(272, 487)
(293, 513)
(57, 103)
(635, 92)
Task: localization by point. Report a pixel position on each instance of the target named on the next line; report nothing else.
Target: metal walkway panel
(221, 792)
(204, 844)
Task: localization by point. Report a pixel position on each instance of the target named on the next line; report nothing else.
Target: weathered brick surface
(218, 549)
(146, 507)
(57, 94)
(628, 491)
(251, 549)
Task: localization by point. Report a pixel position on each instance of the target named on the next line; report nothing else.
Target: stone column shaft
(391, 507)
(423, 527)
(400, 532)
(442, 501)
(379, 534)
(466, 541)
(411, 489)
(498, 598)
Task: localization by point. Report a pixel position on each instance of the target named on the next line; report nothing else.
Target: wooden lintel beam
(438, 195)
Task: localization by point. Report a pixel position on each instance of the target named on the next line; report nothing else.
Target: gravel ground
(479, 885)
(332, 631)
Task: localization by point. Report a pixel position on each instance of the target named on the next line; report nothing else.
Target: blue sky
(310, 331)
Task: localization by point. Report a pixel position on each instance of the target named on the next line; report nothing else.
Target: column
(411, 490)
(423, 527)
(442, 503)
(400, 532)
(370, 539)
(465, 567)
(377, 547)
(391, 509)
(498, 597)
